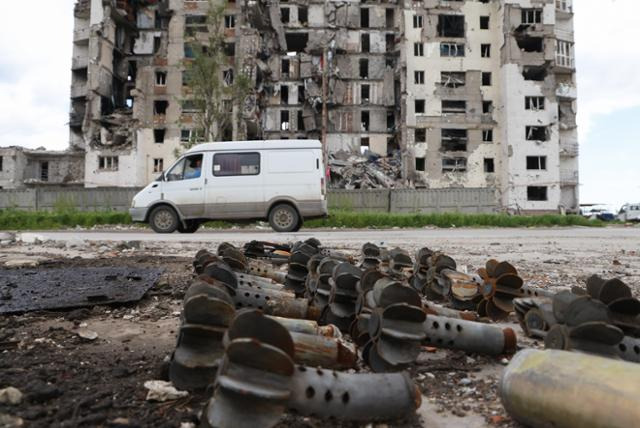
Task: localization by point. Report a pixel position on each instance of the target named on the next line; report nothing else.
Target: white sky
(35, 61)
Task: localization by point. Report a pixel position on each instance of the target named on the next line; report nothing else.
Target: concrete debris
(10, 395)
(88, 335)
(8, 421)
(367, 171)
(160, 390)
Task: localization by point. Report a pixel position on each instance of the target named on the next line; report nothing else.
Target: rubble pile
(366, 171)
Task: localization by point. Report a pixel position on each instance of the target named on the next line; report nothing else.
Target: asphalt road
(578, 237)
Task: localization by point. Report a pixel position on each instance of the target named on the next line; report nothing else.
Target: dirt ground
(68, 381)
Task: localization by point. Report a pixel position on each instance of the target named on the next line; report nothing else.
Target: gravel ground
(70, 381)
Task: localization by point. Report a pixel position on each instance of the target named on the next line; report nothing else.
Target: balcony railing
(568, 177)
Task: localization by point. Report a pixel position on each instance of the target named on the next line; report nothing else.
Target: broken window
(161, 21)
(564, 54)
(453, 107)
(364, 120)
(487, 135)
(364, 42)
(364, 144)
(364, 68)
(296, 42)
(303, 15)
(284, 15)
(229, 49)
(1, 159)
(389, 41)
(419, 106)
(229, 21)
(420, 164)
(185, 135)
(485, 50)
(452, 79)
(391, 121)
(189, 106)
(418, 77)
(389, 17)
(301, 94)
(454, 164)
(160, 106)
(44, 171)
(161, 78)
(453, 140)
(484, 22)
(188, 51)
(284, 120)
(531, 16)
(536, 133)
(536, 162)
(536, 193)
(530, 44)
(487, 107)
(158, 165)
(451, 49)
(451, 25)
(364, 18)
(284, 94)
(417, 21)
(195, 24)
(227, 77)
(364, 93)
(189, 135)
(489, 166)
(534, 103)
(420, 135)
(564, 5)
(108, 163)
(534, 72)
(158, 135)
(300, 121)
(284, 71)
(486, 78)
(418, 49)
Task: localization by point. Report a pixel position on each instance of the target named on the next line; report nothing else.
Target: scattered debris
(30, 290)
(87, 334)
(368, 171)
(160, 390)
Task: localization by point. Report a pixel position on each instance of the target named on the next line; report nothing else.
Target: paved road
(621, 237)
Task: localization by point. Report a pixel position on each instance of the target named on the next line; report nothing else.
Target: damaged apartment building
(471, 93)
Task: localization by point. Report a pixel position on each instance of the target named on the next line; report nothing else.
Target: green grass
(62, 218)
(356, 220)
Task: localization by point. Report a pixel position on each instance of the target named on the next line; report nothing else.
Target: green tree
(215, 82)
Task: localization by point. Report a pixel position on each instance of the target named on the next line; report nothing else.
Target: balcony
(568, 178)
(567, 91)
(569, 149)
(78, 90)
(79, 62)
(81, 35)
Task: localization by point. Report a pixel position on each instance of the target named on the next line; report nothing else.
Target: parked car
(282, 181)
(629, 212)
(599, 212)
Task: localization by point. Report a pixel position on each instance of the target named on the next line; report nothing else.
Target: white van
(279, 180)
(629, 212)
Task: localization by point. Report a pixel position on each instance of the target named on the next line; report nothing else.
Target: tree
(216, 84)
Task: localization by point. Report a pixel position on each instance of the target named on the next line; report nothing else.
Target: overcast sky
(35, 62)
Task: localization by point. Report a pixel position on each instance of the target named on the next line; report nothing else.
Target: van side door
(235, 186)
(183, 185)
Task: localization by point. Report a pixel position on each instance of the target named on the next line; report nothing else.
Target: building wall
(24, 167)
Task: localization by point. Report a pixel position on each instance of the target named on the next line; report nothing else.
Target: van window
(291, 161)
(226, 164)
(187, 168)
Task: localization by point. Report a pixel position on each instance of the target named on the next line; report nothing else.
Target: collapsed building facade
(471, 93)
(21, 167)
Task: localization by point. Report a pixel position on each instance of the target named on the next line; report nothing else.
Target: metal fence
(471, 200)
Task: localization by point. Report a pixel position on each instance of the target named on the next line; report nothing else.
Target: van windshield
(186, 168)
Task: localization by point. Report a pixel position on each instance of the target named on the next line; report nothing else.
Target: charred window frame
(160, 107)
(303, 15)
(534, 72)
(537, 133)
(285, 15)
(365, 123)
(44, 171)
(453, 140)
(364, 68)
(489, 165)
(536, 162)
(530, 44)
(365, 92)
(486, 78)
(485, 50)
(487, 107)
(420, 135)
(285, 67)
(158, 135)
(487, 135)
(364, 17)
(450, 25)
(420, 164)
(419, 106)
(284, 94)
(284, 120)
(484, 22)
(454, 107)
(454, 164)
(537, 193)
(365, 44)
(300, 119)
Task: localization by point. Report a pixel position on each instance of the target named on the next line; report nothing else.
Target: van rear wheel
(164, 219)
(284, 218)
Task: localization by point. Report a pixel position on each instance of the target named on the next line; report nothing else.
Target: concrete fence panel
(359, 200)
(472, 200)
(18, 199)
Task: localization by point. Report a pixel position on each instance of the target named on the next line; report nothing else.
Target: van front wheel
(164, 219)
(284, 218)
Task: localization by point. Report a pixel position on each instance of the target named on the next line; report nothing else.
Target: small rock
(8, 421)
(87, 334)
(10, 395)
(160, 390)
(42, 392)
(78, 314)
(127, 317)
(465, 381)
(21, 263)
(504, 361)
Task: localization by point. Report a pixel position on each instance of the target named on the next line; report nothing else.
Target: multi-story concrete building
(473, 93)
(21, 167)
